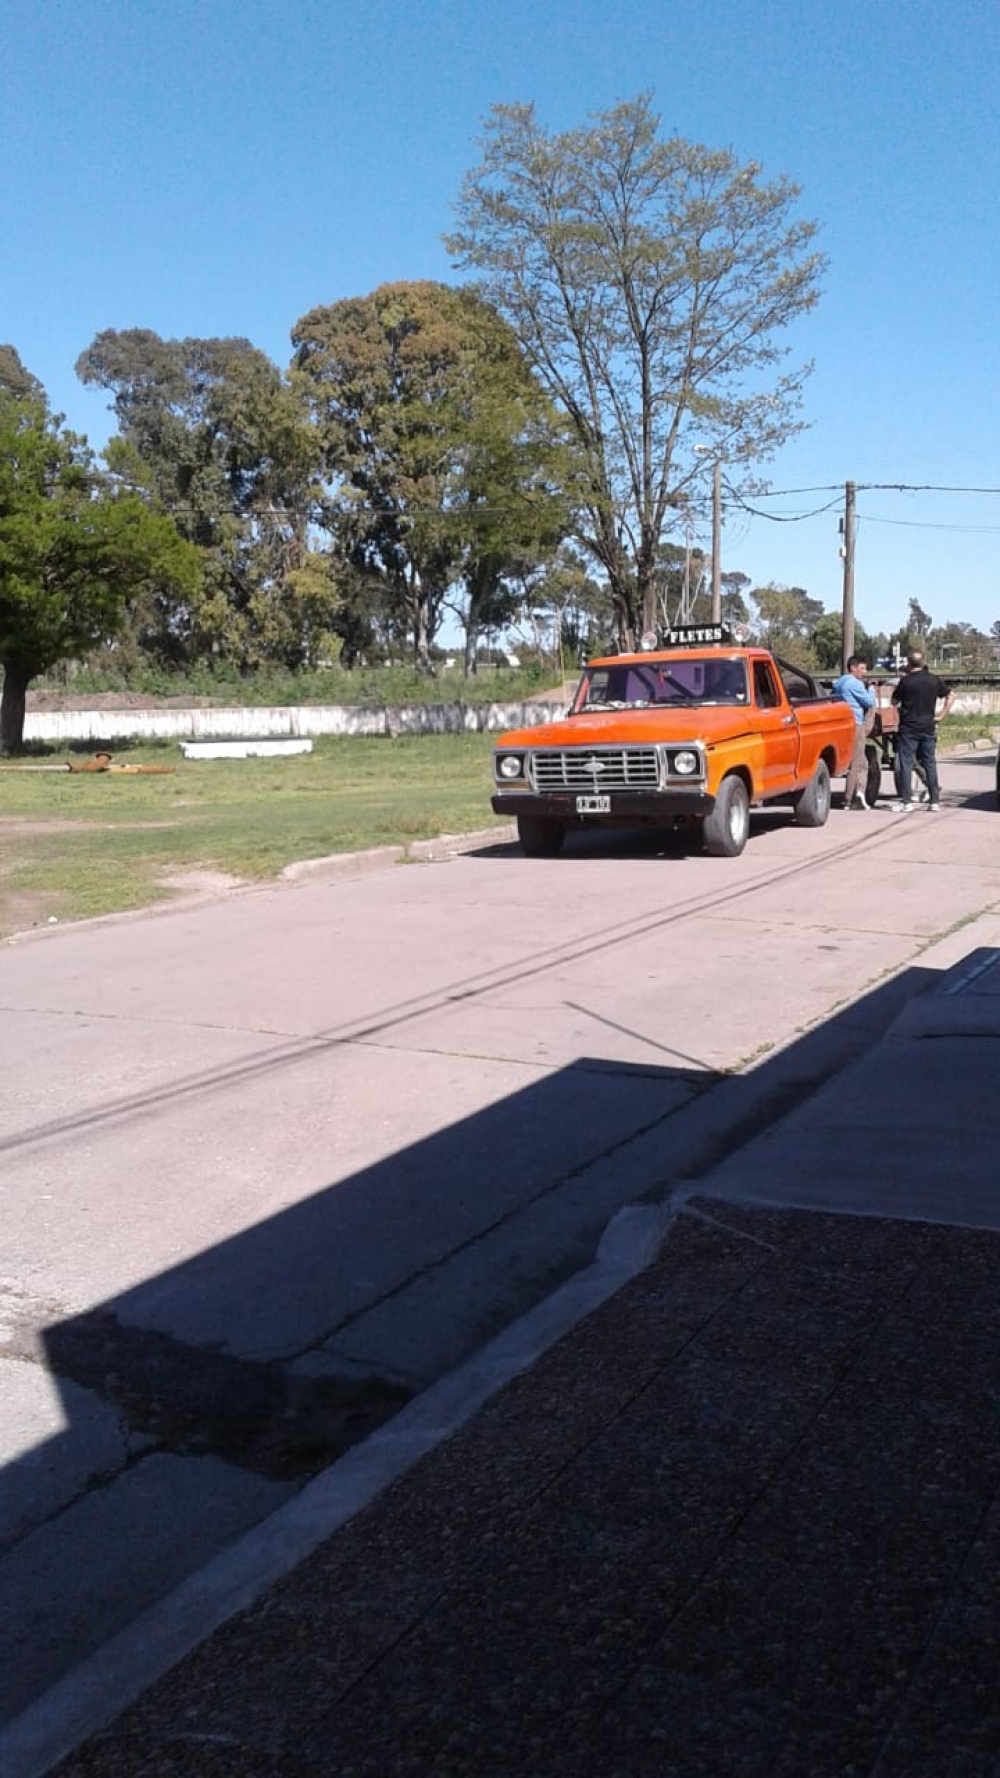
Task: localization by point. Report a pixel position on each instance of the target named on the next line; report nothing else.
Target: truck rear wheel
(726, 826)
(813, 805)
(540, 837)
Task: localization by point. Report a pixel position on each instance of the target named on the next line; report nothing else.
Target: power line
(921, 488)
(786, 493)
(930, 525)
(528, 505)
(736, 500)
(873, 487)
(786, 518)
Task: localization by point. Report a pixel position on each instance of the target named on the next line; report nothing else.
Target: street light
(706, 450)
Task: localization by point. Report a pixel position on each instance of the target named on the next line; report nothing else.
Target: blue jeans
(922, 749)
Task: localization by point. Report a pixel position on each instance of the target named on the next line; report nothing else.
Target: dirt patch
(559, 694)
(13, 827)
(116, 700)
(201, 882)
(22, 910)
(16, 827)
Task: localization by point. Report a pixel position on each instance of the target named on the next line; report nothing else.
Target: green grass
(76, 845)
(957, 731)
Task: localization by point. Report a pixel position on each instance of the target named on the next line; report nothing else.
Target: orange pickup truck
(696, 729)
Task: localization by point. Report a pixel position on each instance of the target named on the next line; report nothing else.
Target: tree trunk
(621, 588)
(421, 647)
(12, 705)
(417, 602)
(646, 602)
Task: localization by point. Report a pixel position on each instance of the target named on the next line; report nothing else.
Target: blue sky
(204, 167)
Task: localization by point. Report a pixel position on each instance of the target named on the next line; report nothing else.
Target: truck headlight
(686, 763)
(510, 765)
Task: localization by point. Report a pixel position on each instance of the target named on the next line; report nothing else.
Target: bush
(366, 687)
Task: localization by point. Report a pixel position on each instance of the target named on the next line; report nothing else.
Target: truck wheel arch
(812, 805)
(726, 826)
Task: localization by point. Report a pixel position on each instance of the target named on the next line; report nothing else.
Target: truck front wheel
(813, 805)
(726, 826)
(540, 837)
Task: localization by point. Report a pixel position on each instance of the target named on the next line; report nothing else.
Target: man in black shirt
(917, 697)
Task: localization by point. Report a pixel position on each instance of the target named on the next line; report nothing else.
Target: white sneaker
(922, 793)
(860, 802)
(902, 808)
(933, 807)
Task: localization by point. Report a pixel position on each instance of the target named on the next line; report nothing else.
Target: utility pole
(717, 542)
(847, 551)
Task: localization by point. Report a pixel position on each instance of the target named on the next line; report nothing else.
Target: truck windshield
(688, 679)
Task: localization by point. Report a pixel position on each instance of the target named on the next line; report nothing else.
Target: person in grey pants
(854, 689)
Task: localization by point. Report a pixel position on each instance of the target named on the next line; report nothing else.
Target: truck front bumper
(629, 808)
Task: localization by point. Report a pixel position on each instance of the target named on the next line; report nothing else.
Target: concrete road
(274, 1161)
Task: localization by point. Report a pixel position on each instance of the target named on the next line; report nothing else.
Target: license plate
(593, 805)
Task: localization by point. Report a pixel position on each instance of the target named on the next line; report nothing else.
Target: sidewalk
(744, 1518)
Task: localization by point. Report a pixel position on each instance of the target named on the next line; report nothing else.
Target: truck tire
(873, 782)
(725, 828)
(813, 805)
(540, 837)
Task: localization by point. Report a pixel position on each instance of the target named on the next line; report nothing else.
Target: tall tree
(15, 378)
(827, 640)
(438, 444)
(648, 281)
(572, 606)
(513, 481)
(212, 428)
(786, 619)
(73, 550)
(920, 621)
(735, 612)
(958, 646)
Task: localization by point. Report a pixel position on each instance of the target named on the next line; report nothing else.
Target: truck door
(779, 730)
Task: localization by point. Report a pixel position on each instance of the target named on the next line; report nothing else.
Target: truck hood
(616, 728)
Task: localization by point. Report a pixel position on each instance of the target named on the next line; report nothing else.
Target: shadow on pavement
(199, 1401)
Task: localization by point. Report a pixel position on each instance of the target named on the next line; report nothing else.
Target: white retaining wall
(254, 723)
(246, 723)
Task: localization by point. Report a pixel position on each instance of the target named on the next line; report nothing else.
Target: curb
(342, 864)
(333, 866)
(434, 851)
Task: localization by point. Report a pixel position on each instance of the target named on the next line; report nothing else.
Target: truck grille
(595, 768)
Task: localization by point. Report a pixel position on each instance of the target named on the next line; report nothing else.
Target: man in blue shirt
(854, 689)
